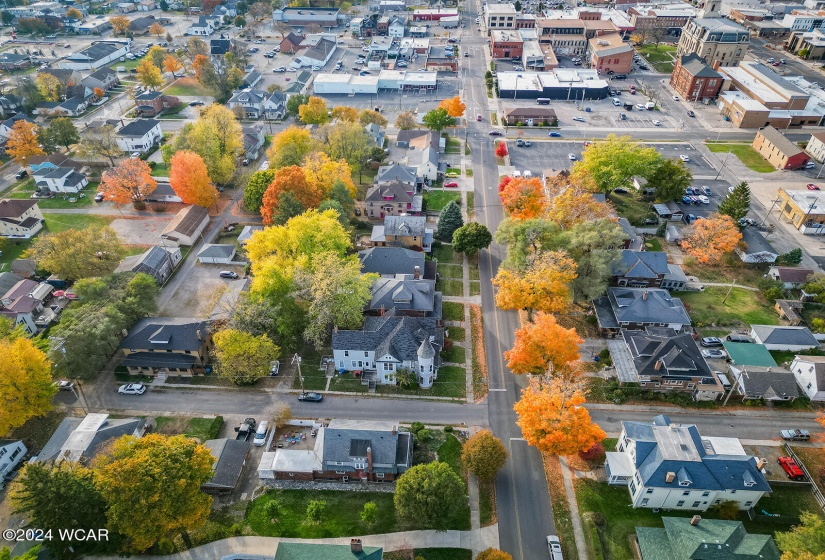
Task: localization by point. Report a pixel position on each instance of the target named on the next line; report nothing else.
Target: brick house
(151, 103)
(778, 150)
(694, 80)
(506, 44)
(392, 199)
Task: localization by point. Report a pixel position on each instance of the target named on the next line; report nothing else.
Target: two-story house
(638, 308)
(203, 27)
(167, 345)
(258, 103)
(139, 135)
(407, 294)
(24, 305)
(396, 173)
(389, 261)
(104, 78)
(150, 103)
(59, 180)
(647, 269)
(403, 231)
(670, 466)
(11, 453)
(389, 343)
(366, 451)
(390, 199)
(157, 262)
(809, 372)
(20, 218)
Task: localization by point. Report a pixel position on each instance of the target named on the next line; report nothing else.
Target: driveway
(204, 288)
(141, 231)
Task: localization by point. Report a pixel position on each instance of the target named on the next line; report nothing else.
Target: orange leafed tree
(190, 179)
(523, 198)
(711, 238)
(543, 285)
(454, 106)
(127, 182)
(293, 180)
(99, 93)
(201, 61)
(171, 64)
(23, 142)
(570, 204)
(552, 418)
(543, 345)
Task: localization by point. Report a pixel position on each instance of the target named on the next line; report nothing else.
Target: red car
(791, 468)
(812, 187)
(450, 185)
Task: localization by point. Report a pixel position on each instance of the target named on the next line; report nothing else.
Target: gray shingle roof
(778, 140)
(396, 172)
(403, 293)
(167, 333)
(154, 258)
(769, 383)
(792, 336)
(400, 336)
(395, 191)
(138, 128)
(405, 226)
(391, 260)
(696, 65)
(641, 264)
(390, 452)
(229, 456)
(676, 356)
(646, 305)
(222, 251)
(112, 429)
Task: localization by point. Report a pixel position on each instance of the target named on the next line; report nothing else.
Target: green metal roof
(747, 354)
(710, 539)
(308, 551)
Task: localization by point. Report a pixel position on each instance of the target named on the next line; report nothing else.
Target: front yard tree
(737, 203)
(172, 64)
(153, 487)
(100, 143)
(552, 418)
(523, 199)
(344, 113)
(23, 142)
(288, 207)
(484, 455)
(253, 195)
(290, 147)
(148, 74)
(241, 357)
(315, 511)
(63, 132)
(59, 496)
(293, 180)
(569, 204)
(708, 240)
(49, 87)
(26, 388)
(190, 179)
(222, 75)
(322, 173)
(493, 554)
(294, 103)
(341, 194)
(78, 253)
(217, 137)
(430, 495)
(369, 514)
(525, 239)
(350, 142)
(157, 29)
(453, 105)
(805, 541)
(369, 116)
(592, 245)
(670, 179)
(449, 221)
(609, 164)
(471, 238)
(543, 345)
(128, 182)
(438, 119)
(314, 111)
(405, 121)
(543, 284)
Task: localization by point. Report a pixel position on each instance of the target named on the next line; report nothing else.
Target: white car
(703, 199)
(554, 547)
(279, 69)
(316, 68)
(656, 123)
(676, 98)
(578, 119)
(640, 107)
(132, 389)
(684, 158)
(571, 157)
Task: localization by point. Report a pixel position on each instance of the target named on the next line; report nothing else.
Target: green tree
(241, 357)
(517, 5)
(335, 205)
(525, 239)
(315, 511)
(369, 514)
(47, 142)
(217, 137)
(350, 142)
(7, 17)
(438, 119)
(737, 203)
(78, 253)
(294, 102)
(222, 75)
(594, 246)
(449, 221)
(610, 163)
(430, 495)
(288, 207)
(471, 238)
(792, 257)
(63, 132)
(484, 455)
(806, 538)
(153, 487)
(670, 179)
(58, 496)
(342, 196)
(31, 554)
(256, 187)
(239, 21)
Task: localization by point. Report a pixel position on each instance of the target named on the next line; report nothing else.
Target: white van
(516, 174)
(260, 434)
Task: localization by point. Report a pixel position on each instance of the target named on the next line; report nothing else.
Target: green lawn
(160, 169)
(450, 287)
(432, 554)
(455, 355)
(450, 452)
(661, 57)
(475, 288)
(746, 154)
(188, 87)
(653, 244)
(451, 383)
(457, 334)
(632, 206)
(56, 223)
(453, 146)
(25, 189)
(201, 428)
(742, 307)
(445, 254)
(471, 200)
(436, 199)
(452, 311)
(314, 378)
(451, 271)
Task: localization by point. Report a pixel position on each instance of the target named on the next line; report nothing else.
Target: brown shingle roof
(14, 208)
(187, 221)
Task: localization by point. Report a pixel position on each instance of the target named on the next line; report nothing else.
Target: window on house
(686, 493)
(379, 475)
(360, 466)
(705, 494)
(346, 353)
(680, 503)
(644, 502)
(748, 504)
(695, 504)
(649, 491)
(387, 366)
(632, 487)
(340, 472)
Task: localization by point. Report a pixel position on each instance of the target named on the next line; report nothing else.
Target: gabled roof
(138, 128)
(154, 258)
(345, 440)
(646, 305)
(793, 274)
(167, 333)
(405, 226)
(294, 38)
(14, 208)
(187, 221)
(747, 354)
(219, 46)
(73, 104)
(391, 260)
(396, 172)
(103, 74)
(77, 438)
(667, 355)
(404, 136)
(710, 539)
(403, 292)
(397, 192)
(221, 251)
(792, 336)
(148, 96)
(399, 336)
(780, 142)
(230, 456)
(248, 96)
(96, 51)
(9, 122)
(696, 65)
(641, 264)
(767, 382)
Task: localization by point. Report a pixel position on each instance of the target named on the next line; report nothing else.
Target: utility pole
(296, 359)
(735, 385)
(723, 164)
(729, 290)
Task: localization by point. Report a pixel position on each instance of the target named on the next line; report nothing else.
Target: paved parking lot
(204, 287)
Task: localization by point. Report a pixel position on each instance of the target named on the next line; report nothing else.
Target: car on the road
(364, 73)
(710, 341)
(99, 197)
(775, 63)
(316, 68)
(527, 144)
(643, 67)
(684, 158)
(554, 547)
(63, 385)
(812, 187)
(311, 397)
(496, 133)
(555, 134)
(450, 185)
(257, 41)
(401, 64)
(691, 113)
(676, 98)
(20, 174)
(228, 274)
(571, 157)
(795, 435)
(466, 54)
(791, 468)
(578, 119)
(714, 354)
(132, 389)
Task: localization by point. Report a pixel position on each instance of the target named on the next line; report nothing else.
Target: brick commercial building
(505, 44)
(694, 80)
(610, 53)
(778, 150)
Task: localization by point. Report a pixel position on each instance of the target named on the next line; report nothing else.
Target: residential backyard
(714, 307)
(746, 154)
(189, 87)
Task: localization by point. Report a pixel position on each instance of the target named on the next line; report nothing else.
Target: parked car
(64, 385)
(812, 187)
(450, 185)
(703, 199)
(496, 133)
(691, 113)
(228, 274)
(795, 435)
(311, 397)
(554, 547)
(99, 197)
(714, 354)
(656, 123)
(578, 119)
(571, 157)
(132, 389)
(738, 338)
(279, 69)
(676, 98)
(20, 174)
(686, 199)
(684, 158)
(246, 429)
(555, 134)
(261, 433)
(710, 341)
(791, 468)
(620, 190)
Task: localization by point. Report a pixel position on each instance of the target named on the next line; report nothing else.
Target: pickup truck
(246, 430)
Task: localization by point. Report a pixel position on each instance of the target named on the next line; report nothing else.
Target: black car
(496, 133)
(20, 174)
(691, 113)
(311, 397)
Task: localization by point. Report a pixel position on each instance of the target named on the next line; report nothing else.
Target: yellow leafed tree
(23, 142)
(569, 204)
(26, 388)
(290, 147)
(544, 285)
(322, 172)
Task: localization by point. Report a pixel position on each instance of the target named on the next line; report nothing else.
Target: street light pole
(723, 164)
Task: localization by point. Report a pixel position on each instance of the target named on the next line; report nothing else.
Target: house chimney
(356, 546)
(695, 520)
(644, 295)
(369, 463)
(670, 477)
(394, 430)
(760, 464)
(417, 273)
(658, 365)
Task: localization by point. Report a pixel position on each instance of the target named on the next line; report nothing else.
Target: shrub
(416, 427)
(595, 453)
(448, 429)
(728, 509)
(423, 436)
(214, 428)
(604, 357)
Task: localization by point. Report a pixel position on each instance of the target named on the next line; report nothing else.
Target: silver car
(554, 546)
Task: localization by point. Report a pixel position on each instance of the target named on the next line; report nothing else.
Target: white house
(809, 372)
(139, 135)
(397, 27)
(20, 218)
(258, 103)
(792, 277)
(816, 146)
(201, 27)
(8, 124)
(783, 337)
(670, 466)
(60, 179)
(11, 453)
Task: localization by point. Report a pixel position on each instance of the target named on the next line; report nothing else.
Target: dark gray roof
(405, 225)
(167, 333)
(641, 264)
(646, 305)
(399, 336)
(396, 192)
(223, 251)
(390, 452)
(791, 336)
(96, 51)
(103, 74)
(404, 136)
(9, 122)
(769, 383)
(696, 65)
(219, 46)
(667, 355)
(138, 128)
(404, 293)
(148, 96)
(8, 280)
(396, 172)
(294, 38)
(154, 258)
(248, 96)
(159, 359)
(112, 429)
(391, 261)
(73, 103)
(229, 456)
(12, 57)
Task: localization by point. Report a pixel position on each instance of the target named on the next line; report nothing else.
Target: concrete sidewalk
(477, 540)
